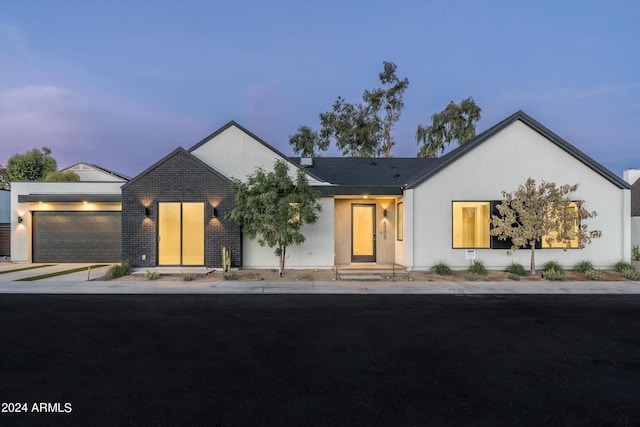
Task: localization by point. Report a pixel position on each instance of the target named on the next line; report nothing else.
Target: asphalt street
(382, 360)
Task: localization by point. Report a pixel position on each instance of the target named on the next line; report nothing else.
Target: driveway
(330, 360)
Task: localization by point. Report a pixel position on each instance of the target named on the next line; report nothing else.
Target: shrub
(517, 269)
(553, 265)
(592, 274)
(621, 265)
(583, 266)
(631, 273)
(514, 276)
(118, 270)
(229, 275)
(635, 252)
(442, 269)
(478, 268)
(151, 275)
(187, 277)
(553, 274)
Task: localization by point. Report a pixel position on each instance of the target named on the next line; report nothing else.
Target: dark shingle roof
(635, 198)
(367, 175)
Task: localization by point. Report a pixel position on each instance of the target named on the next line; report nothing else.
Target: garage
(77, 236)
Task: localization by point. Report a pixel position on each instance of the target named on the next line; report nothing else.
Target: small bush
(592, 274)
(553, 274)
(187, 277)
(442, 269)
(516, 269)
(583, 266)
(553, 265)
(635, 252)
(478, 268)
(229, 275)
(514, 276)
(118, 270)
(621, 265)
(151, 275)
(631, 273)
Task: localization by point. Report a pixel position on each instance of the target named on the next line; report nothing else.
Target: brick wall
(179, 177)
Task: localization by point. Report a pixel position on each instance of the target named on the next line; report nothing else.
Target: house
(68, 221)
(5, 223)
(407, 211)
(632, 176)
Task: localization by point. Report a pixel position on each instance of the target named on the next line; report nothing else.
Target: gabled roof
(536, 126)
(635, 198)
(174, 153)
(101, 169)
(367, 175)
(232, 123)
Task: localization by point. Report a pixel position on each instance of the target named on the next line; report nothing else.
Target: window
(400, 221)
(471, 224)
(569, 232)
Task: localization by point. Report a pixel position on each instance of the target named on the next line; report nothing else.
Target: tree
(534, 214)
(365, 129)
(34, 165)
(59, 176)
(306, 142)
(457, 122)
(272, 207)
(5, 182)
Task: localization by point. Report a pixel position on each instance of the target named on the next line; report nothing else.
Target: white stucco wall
(315, 252)
(635, 230)
(502, 163)
(21, 232)
(236, 154)
(87, 172)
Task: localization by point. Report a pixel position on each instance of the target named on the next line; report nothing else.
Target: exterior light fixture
(215, 213)
(146, 211)
(384, 213)
(19, 220)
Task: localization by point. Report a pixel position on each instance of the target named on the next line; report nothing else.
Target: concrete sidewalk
(59, 286)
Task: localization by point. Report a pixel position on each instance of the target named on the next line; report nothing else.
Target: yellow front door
(363, 233)
(180, 233)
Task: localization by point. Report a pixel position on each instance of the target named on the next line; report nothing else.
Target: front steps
(368, 272)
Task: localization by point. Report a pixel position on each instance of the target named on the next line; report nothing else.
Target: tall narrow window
(471, 224)
(400, 221)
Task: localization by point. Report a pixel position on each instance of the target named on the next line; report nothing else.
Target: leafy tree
(306, 142)
(34, 165)
(457, 122)
(365, 129)
(59, 176)
(273, 207)
(5, 183)
(533, 213)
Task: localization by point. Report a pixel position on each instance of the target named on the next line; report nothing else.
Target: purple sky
(123, 83)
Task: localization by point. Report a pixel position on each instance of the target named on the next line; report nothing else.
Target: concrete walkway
(85, 283)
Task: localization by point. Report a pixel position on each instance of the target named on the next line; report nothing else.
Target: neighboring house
(5, 223)
(632, 177)
(408, 211)
(68, 221)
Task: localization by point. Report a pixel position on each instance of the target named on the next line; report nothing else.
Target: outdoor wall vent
(306, 161)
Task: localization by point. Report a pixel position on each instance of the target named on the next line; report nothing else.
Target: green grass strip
(26, 268)
(60, 273)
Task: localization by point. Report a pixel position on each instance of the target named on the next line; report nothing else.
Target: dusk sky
(123, 83)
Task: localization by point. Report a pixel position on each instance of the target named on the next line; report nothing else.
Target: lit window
(471, 224)
(400, 221)
(569, 234)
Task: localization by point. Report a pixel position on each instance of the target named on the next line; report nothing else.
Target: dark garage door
(77, 236)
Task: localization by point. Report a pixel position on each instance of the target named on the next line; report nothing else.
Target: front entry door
(363, 233)
(180, 233)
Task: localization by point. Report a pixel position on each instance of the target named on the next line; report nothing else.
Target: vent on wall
(306, 161)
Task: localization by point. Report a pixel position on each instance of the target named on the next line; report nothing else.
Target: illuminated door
(180, 233)
(363, 233)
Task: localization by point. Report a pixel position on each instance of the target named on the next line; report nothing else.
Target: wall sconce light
(19, 220)
(146, 211)
(215, 213)
(384, 213)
